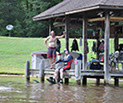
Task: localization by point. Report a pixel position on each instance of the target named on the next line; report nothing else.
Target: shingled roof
(74, 6)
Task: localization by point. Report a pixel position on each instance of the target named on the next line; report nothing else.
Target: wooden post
(50, 25)
(78, 71)
(116, 42)
(116, 81)
(122, 66)
(58, 77)
(98, 50)
(78, 82)
(27, 71)
(67, 32)
(41, 72)
(84, 81)
(97, 81)
(84, 43)
(106, 46)
(66, 81)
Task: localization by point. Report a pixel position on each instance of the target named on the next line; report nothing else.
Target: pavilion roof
(75, 6)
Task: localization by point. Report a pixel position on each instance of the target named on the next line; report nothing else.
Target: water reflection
(41, 93)
(74, 94)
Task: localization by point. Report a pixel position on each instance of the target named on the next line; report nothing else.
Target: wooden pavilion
(88, 14)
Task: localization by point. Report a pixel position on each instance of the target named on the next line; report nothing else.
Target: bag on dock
(96, 66)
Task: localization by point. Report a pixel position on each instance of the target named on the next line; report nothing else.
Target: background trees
(19, 13)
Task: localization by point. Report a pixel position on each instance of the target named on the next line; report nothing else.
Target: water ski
(36, 81)
(51, 81)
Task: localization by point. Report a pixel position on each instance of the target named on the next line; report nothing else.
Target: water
(19, 92)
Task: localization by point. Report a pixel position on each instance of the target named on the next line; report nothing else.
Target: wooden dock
(97, 74)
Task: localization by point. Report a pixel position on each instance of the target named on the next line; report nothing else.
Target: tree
(19, 13)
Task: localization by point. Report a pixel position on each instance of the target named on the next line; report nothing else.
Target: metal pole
(9, 33)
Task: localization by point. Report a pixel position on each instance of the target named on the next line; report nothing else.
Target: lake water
(19, 92)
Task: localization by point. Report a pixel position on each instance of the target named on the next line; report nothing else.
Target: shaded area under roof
(70, 6)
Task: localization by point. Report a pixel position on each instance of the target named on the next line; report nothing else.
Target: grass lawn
(15, 51)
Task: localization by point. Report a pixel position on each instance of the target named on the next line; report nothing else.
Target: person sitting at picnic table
(51, 54)
(68, 59)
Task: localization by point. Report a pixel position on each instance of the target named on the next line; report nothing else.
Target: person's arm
(59, 37)
(46, 41)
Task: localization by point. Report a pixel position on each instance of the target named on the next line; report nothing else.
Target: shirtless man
(51, 54)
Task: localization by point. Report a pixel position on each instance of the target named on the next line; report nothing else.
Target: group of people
(51, 54)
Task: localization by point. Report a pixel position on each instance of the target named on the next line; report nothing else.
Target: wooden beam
(84, 43)
(106, 48)
(81, 10)
(67, 32)
(116, 19)
(113, 19)
(96, 19)
(50, 25)
(59, 25)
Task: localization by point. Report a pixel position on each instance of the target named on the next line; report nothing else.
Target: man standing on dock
(51, 54)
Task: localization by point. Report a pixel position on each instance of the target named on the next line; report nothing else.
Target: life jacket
(74, 46)
(68, 60)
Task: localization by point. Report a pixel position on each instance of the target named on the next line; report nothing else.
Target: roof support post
(50, 25)
(67, 32)
(116, 42)
(106, 47)
(85, 21)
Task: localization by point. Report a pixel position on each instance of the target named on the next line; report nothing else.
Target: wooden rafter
(113, 19)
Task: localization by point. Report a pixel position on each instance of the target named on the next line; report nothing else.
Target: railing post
(78, 71)
(84, 81)
(97, 81)
(66, 81)
(41, 72)
(27, 71)
(116, 81)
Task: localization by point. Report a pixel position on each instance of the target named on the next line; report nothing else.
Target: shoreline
(11, 74)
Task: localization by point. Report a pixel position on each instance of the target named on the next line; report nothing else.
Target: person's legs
(53, 55)
(61, 76)
(61, 73)
(50, 61)
(55, 74)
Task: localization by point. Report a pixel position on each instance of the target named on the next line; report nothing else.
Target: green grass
(15, 51)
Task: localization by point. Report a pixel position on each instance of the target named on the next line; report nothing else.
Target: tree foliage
(19, 13)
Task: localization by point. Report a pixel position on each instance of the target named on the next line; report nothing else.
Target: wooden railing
(78, 74)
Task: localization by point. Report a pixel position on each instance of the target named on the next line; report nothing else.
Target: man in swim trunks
(51, 54)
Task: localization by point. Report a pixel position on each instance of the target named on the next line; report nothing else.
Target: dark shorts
(51, 52)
